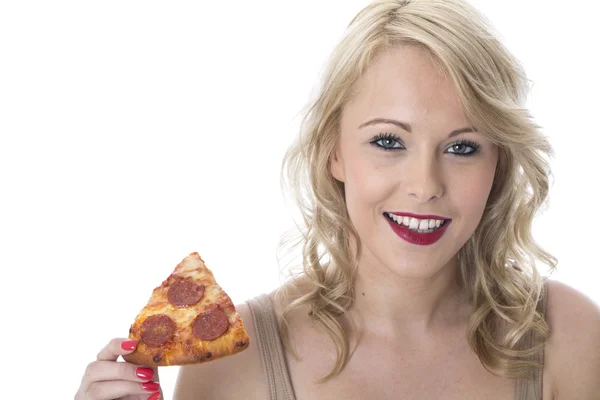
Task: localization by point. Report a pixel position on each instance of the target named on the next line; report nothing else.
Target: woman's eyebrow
(406, 126)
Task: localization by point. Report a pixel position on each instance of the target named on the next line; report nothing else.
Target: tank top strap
(531, 388)
(271, 348)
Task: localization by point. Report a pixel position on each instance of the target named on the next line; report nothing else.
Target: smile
(417, 225)
(416, 231)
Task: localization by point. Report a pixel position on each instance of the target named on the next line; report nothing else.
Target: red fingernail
(128, 344)
(144, 373)
(155, 396)
(151, 386)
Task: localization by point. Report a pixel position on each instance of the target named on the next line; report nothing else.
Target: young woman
(418, 172)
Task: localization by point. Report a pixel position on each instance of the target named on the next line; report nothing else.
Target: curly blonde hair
(498, 263)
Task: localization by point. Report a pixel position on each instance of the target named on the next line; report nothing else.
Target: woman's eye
(387, 141)
(462, 148)
(388, 144)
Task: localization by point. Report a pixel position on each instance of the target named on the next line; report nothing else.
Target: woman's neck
(393, 306)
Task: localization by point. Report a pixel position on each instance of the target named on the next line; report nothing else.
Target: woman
(418, 173)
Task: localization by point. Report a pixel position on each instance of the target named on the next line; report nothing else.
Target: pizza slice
(188, 319)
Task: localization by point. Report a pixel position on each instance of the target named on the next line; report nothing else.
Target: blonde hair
(497, 264)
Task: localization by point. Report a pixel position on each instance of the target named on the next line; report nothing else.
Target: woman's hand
(106, 378)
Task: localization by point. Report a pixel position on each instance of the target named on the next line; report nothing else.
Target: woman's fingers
(110, 370)
(104, 390)
(106, 378)
(115, 348)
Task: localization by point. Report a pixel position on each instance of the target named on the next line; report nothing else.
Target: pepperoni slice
(210, 325)
(157, 330)
(185, 292)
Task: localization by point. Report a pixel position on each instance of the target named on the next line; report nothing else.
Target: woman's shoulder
(572, 359)
(237, 376)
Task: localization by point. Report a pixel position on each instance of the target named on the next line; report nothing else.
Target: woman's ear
(336, 164)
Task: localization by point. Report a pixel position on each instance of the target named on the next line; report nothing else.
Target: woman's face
(427, 171)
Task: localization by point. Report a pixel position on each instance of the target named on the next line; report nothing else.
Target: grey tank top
(276, 371)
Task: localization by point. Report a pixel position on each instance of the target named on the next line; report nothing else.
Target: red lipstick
(422, 239)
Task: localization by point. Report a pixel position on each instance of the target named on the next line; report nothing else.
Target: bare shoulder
(572, 355)
(239, 376)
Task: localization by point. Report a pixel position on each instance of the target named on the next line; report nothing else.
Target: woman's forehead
(405, 80)
(405, 85)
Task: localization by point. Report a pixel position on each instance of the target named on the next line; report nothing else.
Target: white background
(134, 133)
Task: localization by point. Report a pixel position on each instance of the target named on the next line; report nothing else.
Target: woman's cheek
(472, 197)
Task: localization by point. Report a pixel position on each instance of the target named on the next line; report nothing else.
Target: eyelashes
(456, 146)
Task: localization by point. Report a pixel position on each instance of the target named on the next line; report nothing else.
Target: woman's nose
(423, 180)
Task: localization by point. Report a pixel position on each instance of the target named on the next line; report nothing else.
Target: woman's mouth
(417, 231)
(417, 225)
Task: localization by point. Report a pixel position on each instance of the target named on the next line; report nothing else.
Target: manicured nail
(155, 396)
(144, 373)
(128, 344)
(151, 386)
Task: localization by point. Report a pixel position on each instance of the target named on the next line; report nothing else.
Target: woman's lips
(422, 239)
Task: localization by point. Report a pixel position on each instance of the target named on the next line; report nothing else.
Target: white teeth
(414, 223)
(417, 224)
